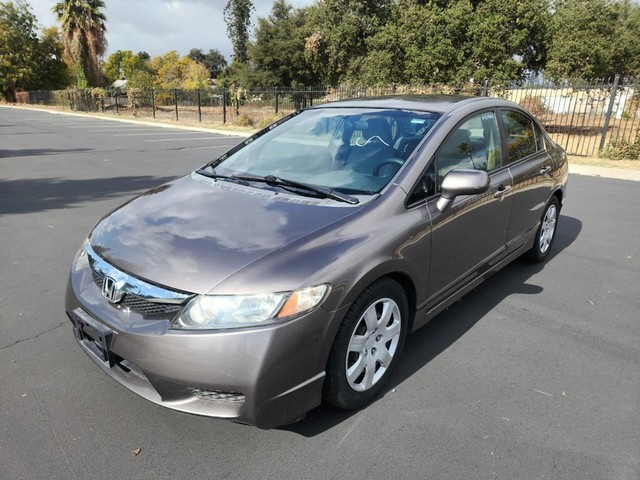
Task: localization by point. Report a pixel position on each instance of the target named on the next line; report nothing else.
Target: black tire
(546, 233)
(381, 346)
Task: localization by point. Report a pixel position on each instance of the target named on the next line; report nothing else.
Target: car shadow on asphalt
(449, 326)
(24, 195)
(36, 152)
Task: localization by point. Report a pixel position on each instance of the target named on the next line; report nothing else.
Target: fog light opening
(217, 395)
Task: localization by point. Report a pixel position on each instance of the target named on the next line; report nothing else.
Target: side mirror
(461, 182)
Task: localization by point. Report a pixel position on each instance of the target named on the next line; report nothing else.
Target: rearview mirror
(461, 182)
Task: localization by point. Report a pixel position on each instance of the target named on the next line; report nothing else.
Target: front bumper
(267, 376)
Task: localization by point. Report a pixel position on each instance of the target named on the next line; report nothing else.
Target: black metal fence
(587, 118)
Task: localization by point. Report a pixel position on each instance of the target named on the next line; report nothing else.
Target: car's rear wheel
(367, 345)
(546, 232)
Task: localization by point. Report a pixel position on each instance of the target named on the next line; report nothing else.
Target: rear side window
(521, 135)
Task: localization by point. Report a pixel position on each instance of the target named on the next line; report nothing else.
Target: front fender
(350, 255)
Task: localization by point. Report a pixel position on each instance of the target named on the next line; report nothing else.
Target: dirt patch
(604, 162)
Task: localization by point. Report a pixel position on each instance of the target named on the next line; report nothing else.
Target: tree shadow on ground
(449, 326)
(36, 152)
(37, 195)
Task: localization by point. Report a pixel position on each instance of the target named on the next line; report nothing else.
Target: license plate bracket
(95, 336)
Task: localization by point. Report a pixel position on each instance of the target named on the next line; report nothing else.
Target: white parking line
(104, 130)
(207, 147)
(18, 117)
(90, 124)
(107, 127)
(151, 134)
(188, 140)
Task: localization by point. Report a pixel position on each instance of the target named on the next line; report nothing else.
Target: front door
(470, 235)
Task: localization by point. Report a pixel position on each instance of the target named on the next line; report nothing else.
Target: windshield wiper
(283, 182)
(210, 173)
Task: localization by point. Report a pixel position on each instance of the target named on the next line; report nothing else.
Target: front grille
(217, 395)
(146, 307)
(139, 304)
(99, 279)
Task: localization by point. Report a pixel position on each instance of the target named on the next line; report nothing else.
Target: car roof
(427, 103)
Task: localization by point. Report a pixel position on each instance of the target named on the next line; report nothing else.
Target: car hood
(194, 232)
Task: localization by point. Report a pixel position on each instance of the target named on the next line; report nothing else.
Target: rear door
(531, 169)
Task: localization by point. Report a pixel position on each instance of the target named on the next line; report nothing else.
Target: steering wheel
(392, 161)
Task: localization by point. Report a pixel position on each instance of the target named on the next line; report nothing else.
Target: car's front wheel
(546, 233)
(367, 345)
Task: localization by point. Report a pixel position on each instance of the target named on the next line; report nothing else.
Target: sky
(159, 26)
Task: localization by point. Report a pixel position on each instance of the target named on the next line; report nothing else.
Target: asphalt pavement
(535, 374)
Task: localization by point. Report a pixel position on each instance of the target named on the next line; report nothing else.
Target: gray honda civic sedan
(291, 269)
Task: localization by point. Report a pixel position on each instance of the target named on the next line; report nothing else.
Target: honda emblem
(110, 290)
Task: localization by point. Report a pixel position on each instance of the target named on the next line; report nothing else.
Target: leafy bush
(624, 149)
(244, 120)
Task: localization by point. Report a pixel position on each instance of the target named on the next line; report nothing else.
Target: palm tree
(83, 28)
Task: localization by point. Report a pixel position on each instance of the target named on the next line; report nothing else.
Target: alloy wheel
(373, 344)
(548, 228)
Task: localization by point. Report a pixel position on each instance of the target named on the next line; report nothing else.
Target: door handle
(502, 189)
(545, 170)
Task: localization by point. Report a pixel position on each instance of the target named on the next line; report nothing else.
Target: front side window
(521, 136)
(351, 150)
(475, 144)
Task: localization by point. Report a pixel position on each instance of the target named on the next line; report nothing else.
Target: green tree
(83, 28)
(421, 43)
(456, 41)
(242, 75)
(52, 72)
(594, 39)
(175, 72)
(113, 67)
(133, 67)
(628, 35)
(278, 51)
(18, 47)
(28, 62)
(337, 44)
(237, 15)
(506, 38)
(581, 39)
(213, 60)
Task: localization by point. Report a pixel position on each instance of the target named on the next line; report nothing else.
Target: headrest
(378, 127)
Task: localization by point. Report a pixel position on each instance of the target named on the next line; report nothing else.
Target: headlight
(81, 260)
(210, 312)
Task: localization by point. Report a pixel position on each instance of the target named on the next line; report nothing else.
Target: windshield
(348, 150)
